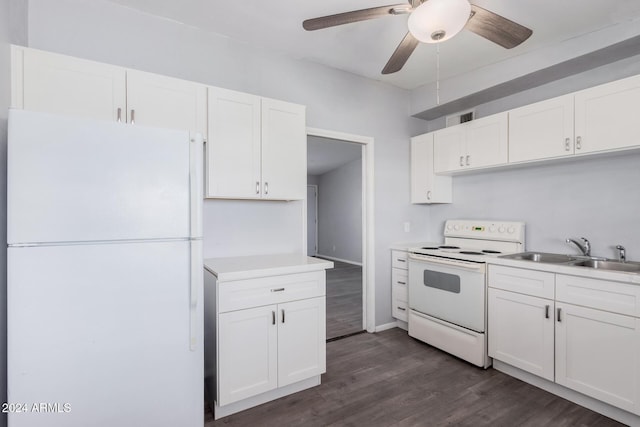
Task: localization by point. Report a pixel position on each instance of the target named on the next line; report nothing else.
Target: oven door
(447, 289)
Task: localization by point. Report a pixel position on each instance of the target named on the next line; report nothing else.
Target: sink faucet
(582, 244)
(622, 253)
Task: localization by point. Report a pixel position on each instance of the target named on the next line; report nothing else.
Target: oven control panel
(508, 231)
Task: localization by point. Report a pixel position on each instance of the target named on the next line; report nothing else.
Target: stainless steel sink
(631, 267)
(541, 257)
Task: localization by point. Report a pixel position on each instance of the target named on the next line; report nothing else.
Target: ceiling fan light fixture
(435, 21)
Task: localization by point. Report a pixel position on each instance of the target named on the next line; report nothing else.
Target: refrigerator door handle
(196, 148)
(195, 285)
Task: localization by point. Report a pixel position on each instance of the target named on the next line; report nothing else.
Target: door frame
(368, 231)
(315, 187)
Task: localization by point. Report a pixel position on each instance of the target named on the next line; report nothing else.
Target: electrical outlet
(407, 227)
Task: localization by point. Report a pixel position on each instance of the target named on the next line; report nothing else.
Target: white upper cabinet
(284, 150)
(53, 83)
(426, 187)
(476, 144)
(60, 84)
(159, 101)
(606, 116)
(233, 146)
(541, 130)
(256, 147)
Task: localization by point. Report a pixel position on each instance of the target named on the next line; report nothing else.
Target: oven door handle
(444, 261)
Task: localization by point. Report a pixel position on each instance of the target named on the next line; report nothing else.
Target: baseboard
(386, 326)
(338, 259)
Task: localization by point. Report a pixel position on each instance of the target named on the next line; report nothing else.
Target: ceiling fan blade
(496, 28)
(401, 54)
(355, 16)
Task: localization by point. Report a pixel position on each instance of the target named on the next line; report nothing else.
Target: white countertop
(250, 267)
(616, 276)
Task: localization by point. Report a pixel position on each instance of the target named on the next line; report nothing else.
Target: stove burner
(471, 253)
(448, 247)
(430, 248)
(490, 251)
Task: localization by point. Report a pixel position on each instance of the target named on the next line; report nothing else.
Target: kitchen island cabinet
(265, 329)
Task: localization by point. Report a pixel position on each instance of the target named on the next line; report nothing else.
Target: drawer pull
(402, 260)
(277, 290)
(402, 308)
(559, 318)
(273, 317)
(401, 283)
(546, 311)
(283, 316)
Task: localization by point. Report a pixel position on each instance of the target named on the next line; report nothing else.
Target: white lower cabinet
(586, 339)
(521, 331)
(598, 354)
(248, 341)
(399, 288)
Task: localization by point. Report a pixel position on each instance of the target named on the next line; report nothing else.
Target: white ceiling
(363, 48)
(324, 154)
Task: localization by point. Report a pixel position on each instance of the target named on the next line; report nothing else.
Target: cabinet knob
(546, 311)
(257, 187)
(133, 116)
(282, 315)
(119, 115)
(559, 317)
(461, 160)
(273, 317)
(468, 160)
(567, 142)
(266, 188)
(428, 195)
(578, 143)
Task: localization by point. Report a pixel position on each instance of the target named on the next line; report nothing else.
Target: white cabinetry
(399, 290)
(49, 82)
(265, 333)
(256, 147)
(596, 323)
(541, 130)
(426, 187)
(606, 116)
(476, 144)
(521, 331)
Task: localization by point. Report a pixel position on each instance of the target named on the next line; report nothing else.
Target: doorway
(339, 225)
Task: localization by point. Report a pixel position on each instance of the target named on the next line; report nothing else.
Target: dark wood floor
(344, 299)
(390, 379)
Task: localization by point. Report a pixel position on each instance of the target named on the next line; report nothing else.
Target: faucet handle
(622, 253)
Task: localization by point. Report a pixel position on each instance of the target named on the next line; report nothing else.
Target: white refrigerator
(104, 274)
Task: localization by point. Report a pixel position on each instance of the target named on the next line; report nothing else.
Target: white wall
(597, 198)
(340, 212)
(335, 100)
(5, 100)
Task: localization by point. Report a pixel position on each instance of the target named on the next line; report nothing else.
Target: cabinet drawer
(399, 310)
(529, 282)
(615, 297)
(239, 294)
(399, 277)
(399, 259)
(399, 293)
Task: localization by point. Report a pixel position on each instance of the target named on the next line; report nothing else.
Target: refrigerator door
(77, 180)
(105, 329)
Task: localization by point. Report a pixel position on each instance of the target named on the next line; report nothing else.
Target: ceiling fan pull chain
(437, 73)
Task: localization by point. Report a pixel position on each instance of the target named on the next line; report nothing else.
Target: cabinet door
(521, 331)
(426, 187)
(233, 145)
(301, 340)
(284, 150)
(486, 141)
(542, 130)
(606, 116)
(447, 149)
(598, 354)
(61, 84)
(160, 101)
(247, 353)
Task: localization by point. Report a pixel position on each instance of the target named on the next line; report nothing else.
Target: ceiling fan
(432, 21)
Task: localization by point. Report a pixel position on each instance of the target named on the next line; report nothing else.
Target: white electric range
(447, 285)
